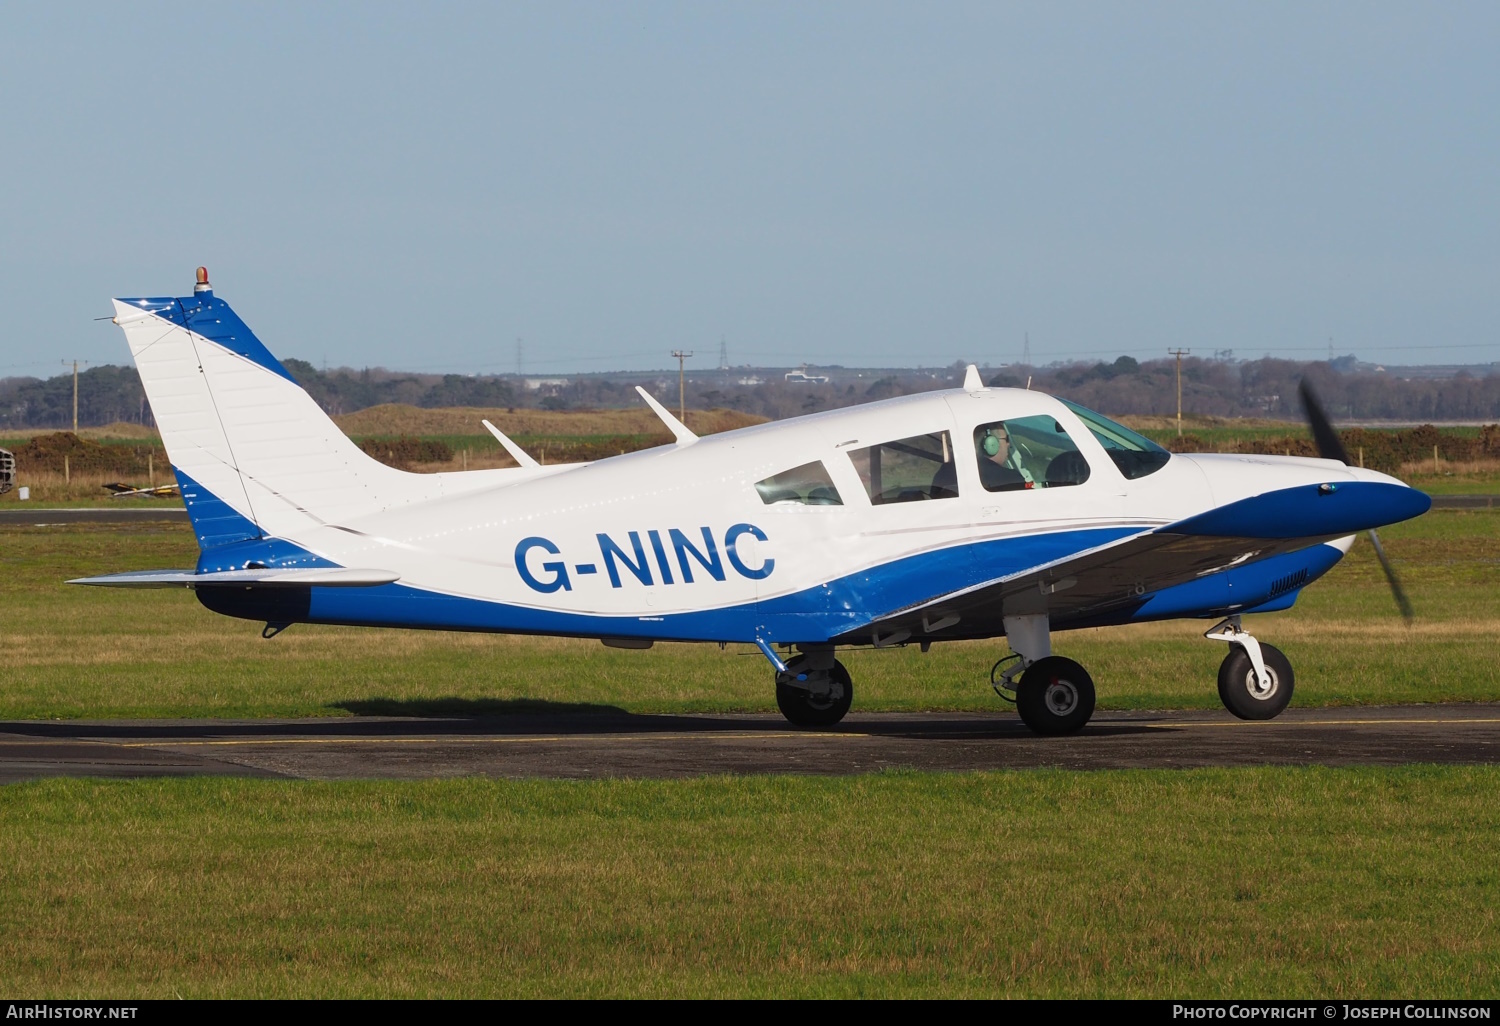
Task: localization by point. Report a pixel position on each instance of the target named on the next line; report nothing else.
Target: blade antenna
(516, 452)
(678, 428)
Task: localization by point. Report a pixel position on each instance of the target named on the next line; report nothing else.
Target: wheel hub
(1061, 697)
(824, 691)
(820, 688)
(1261, 694)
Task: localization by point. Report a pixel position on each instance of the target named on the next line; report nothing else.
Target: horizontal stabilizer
(323, 577)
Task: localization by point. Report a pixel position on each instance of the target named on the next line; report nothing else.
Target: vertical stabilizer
(255, 454)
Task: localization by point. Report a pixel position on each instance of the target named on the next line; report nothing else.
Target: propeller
(1331, 447)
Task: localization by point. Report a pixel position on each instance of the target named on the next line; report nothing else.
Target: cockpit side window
(1026, 453)
(808, 485)
(908, 469)
(1135, 455)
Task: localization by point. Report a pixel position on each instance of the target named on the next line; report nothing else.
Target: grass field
(1273, 882)
(75, 652)
(554, 436)
(1246, 883)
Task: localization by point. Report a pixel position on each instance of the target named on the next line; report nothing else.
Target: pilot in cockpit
(997, 471)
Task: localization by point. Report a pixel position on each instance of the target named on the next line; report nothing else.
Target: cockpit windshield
(1135, 455)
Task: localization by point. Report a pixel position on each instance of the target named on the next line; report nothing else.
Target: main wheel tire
(805, 708)
(1055, 696)
(1240, 691)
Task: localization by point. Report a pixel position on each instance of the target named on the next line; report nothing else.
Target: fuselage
(679, 543)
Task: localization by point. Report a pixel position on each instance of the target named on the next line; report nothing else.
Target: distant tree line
(1256, 388)
(105, 395)
(1265, 388)
(1220, 387)
(345, 390)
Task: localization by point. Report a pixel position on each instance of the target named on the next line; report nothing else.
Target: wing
(1127, 579)
(323, 577)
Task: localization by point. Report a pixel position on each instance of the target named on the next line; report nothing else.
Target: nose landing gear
(1255, 679)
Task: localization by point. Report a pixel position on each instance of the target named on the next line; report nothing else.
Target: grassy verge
(1273, 882)
(74, 652)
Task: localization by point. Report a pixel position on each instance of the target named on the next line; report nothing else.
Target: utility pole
(1179, 353)
(75, 392)
(681, 354)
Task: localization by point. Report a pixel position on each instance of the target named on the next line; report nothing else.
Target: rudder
(259, 455)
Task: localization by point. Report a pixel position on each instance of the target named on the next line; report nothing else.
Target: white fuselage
(467, 545)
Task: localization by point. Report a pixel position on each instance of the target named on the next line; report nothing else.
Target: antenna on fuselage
(516, 452)
(678, 428)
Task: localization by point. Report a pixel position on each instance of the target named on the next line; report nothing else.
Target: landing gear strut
(1053, 695)
(815, 690)
(1255, 679)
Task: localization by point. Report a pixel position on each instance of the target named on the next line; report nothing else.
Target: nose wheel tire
(1055, 696)
(820, 701)
(1242, 694)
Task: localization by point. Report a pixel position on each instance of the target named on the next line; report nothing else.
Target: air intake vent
(1282, 585)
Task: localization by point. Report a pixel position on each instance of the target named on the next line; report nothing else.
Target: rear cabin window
(1025, 453)
(908, 469)
(808, 485)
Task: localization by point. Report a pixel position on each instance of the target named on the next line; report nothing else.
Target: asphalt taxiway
(618, 744)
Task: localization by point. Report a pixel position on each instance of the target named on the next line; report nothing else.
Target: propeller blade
(1327, 439)
(1402, 601)
(1331, 447)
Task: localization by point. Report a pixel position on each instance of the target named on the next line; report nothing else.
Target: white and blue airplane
(969, 513)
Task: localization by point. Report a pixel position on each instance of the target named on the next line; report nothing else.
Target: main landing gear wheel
(1242, 694)
(821, 700)
(1055, 696)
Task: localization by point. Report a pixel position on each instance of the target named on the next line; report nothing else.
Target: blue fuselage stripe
(815, 614)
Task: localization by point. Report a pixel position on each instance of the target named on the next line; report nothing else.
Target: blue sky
(417, 186)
